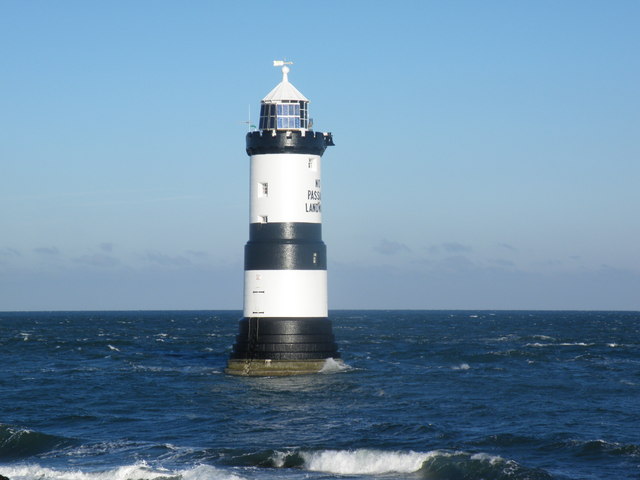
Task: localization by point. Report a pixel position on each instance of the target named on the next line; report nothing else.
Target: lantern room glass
(284, 115)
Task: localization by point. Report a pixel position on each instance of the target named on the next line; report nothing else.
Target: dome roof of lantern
(284, 91)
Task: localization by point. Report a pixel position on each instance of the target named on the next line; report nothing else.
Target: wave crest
(18, 443)
(139, 471)
(461, 465)
(435, 465)
(353, 462)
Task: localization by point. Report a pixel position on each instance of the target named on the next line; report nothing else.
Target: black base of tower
(288, 339)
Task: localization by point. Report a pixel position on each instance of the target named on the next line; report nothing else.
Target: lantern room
(284, 108)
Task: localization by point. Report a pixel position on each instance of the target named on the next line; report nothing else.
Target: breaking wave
(435, 465)
(463, 466)
(139, 471)
(354, 462)
(592, 448)
(432, 465)
(17, 443)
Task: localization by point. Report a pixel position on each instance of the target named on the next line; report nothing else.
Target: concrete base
(272, 368)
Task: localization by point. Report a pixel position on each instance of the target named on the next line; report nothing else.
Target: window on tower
(284, 115)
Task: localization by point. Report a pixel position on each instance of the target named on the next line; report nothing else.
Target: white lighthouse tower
(285, 329)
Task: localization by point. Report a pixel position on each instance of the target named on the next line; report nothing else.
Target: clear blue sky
(487, 153)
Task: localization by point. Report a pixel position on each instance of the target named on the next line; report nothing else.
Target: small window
(264, 219)
(263, 189)
(312, 163)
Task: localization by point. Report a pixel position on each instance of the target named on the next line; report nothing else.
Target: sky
(487, 153)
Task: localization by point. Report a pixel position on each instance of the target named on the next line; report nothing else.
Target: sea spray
(364, 461)
(139, 471)
(334, 366)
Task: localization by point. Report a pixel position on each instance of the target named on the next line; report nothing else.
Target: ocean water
(425, 395)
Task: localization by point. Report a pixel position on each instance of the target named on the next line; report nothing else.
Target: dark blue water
(427, 395)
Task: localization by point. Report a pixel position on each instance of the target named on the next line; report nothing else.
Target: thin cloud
(502, 262)
(388, 247)
(468, 286)
(457, 263)
(508, 247)
(106, 247)
(9, 252)
(98, 260)
(549, 263)
(47, 250)
(197, 253)
(455, 247)
(449, 247)
(167, 260)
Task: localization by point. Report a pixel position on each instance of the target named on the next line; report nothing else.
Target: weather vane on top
(285, 69)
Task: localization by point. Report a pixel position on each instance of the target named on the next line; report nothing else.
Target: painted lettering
(312, 207)
(313, 194)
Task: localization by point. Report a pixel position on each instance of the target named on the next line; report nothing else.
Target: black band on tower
(288, 141)
(285, 256)
(285, 246)
(300, 232)
(285, 339)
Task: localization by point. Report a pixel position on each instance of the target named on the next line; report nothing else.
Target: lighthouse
(285, 329)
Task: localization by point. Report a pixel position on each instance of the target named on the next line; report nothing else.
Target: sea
(437, 395)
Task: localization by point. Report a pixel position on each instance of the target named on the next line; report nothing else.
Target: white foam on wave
(507, 338)
(364, 461)
(462, 366)
(563, 344)
(543, 337)
(278, 458)
(140, 471)
(206, 472)
(334, 366)
(508, 467)
(485, 457)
